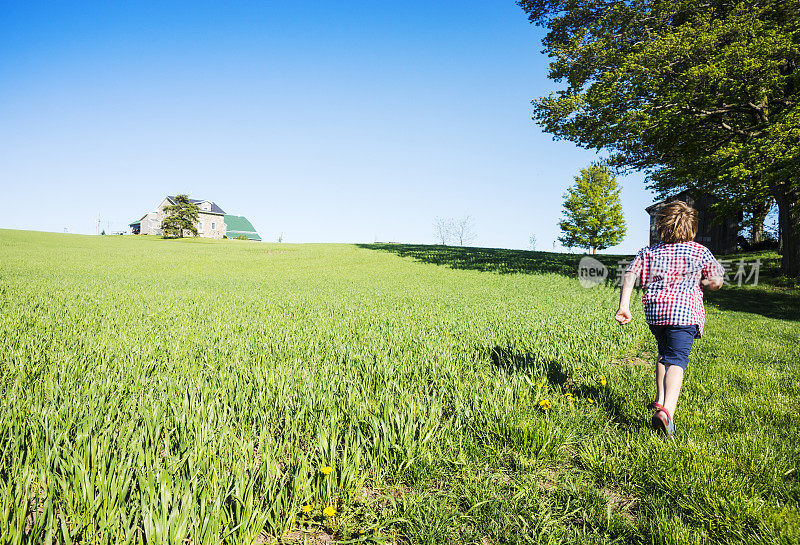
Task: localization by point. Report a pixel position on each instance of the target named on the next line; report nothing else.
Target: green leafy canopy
(695, 93)
(181, 216)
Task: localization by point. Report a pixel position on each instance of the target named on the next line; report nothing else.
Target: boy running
(672, 272)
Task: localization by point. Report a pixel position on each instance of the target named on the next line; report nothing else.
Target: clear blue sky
(326, 121)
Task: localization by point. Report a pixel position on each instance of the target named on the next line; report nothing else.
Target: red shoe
(662, 421)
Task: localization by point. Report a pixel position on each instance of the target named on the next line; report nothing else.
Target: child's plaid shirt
(671, 275)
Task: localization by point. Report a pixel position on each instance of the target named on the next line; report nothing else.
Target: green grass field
(195, 391)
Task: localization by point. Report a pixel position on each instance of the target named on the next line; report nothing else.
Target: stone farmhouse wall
(151, 223)
(211, 225)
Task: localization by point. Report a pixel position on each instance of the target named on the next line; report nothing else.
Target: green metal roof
(240, 225)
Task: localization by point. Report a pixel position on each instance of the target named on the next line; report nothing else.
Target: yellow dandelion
(602, 380)
(544, 404)
(327, 470)
(568, 394)
(590, 400)
(329, 511)
(307, 508)
(360, 530)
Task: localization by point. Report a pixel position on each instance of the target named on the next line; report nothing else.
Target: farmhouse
(211, 221)
(718, 236)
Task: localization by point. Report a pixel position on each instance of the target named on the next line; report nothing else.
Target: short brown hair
(676, 222)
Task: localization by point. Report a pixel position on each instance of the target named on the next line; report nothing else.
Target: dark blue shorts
(675, 343)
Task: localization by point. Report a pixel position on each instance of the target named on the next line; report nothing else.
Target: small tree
(464, 230)
(181, 216)
(442, 229)
(592, 211)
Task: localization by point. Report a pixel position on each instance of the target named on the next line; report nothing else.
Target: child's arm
(623, 314)
(714, 283)
(713, 272)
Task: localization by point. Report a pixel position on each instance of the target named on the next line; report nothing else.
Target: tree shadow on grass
(497, 260)
(770, 304)
(617, 407)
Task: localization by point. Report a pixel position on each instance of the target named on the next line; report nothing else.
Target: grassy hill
(234, 392)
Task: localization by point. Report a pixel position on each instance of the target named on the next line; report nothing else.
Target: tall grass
(226, 392)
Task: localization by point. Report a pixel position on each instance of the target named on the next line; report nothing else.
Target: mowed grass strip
(160, 391)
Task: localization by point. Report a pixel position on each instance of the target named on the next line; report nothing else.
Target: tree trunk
(757, 232)
(788, 199)
(759, 214)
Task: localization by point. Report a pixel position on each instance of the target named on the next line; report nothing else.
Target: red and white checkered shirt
(671, 275)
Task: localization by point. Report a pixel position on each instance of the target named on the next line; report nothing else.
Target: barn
(240, 226)
(718, 236)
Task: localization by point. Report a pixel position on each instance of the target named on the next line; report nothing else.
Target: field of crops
(197, 391)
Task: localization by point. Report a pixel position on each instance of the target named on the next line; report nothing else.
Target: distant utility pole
(97, 225)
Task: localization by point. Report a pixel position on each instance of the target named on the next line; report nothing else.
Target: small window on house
(200, 226)
(213, 225)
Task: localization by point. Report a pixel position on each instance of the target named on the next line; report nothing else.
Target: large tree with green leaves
(592, 211)
(695, 93)
(181, 217)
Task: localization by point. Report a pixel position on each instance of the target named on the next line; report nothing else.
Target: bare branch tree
(442, 230)
(464, 231)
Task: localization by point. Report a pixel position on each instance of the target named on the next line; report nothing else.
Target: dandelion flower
(329, 511)
(544, 404)
(307, 508)
(326, 470)
(602, 380)
(590, 400)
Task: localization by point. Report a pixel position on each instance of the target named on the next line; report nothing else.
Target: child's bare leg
(660, 370)
(673, 379)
